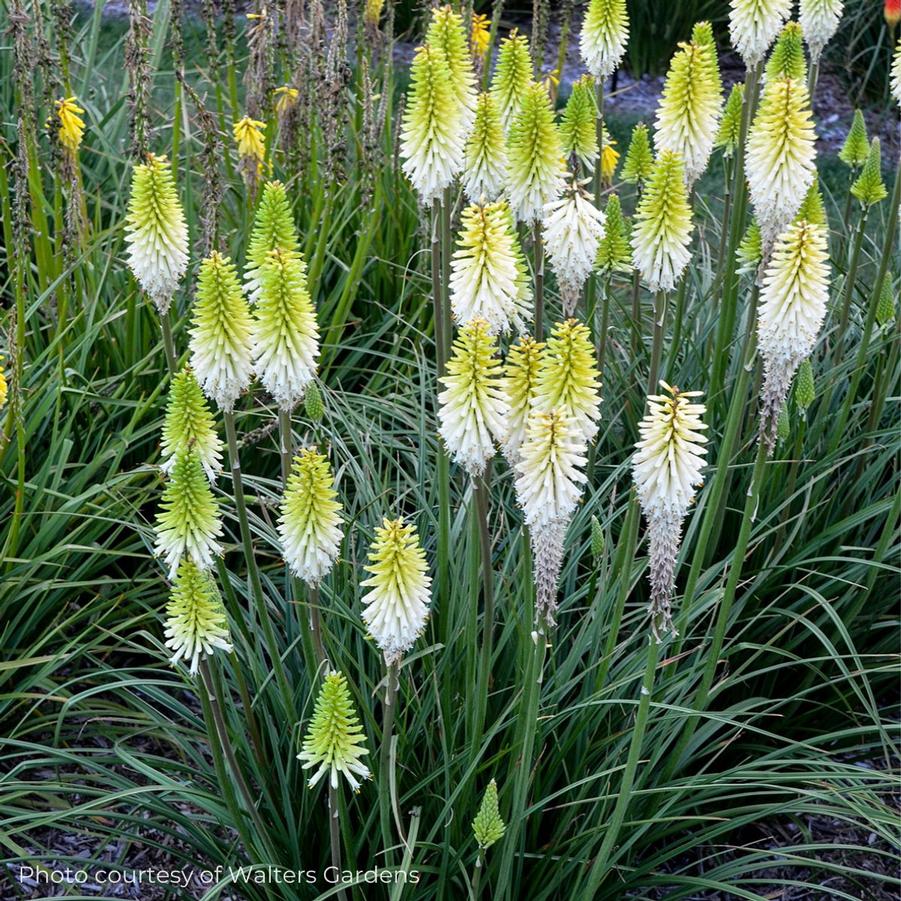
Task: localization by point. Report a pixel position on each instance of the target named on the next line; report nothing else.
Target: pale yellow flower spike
(285, 99)
(71, 125)
(250, 140)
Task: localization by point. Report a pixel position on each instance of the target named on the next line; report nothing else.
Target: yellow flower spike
(480, 35)
(609, 159)
(71, 125)
(285, 99)
(3, 386)
(250, 139)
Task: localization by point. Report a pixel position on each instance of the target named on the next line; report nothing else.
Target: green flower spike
(488, 827)
(614, 254)
(432, 136)
(155, 231)
(536, 169)
(750, 250)
(689, 109)
(702, 35)
(856, 148)
(568, 378)
(805, 388)
(512, 77)
(597, 540)
(188, 523)
(189, 425)
(196, 625)
(335, 740)
(485, 163)
(639, 161)
(273, 227)
(885, 305)
(813, 209)
(869, 187)
(783, 425)
(447, 33)
(221, 325)
(730, 124)
(605, 32)
(787, 59)
(578, 127)
(662, 228)
(312, 403)
(286, 336)
(520, 383)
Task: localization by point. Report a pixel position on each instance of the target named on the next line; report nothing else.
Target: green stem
(481, 496)
(334, 827)
(388, 716)
(677, 329)
(538, 240)
(253, 572)
(614, 824)
(285, 443)
(850, 278)
(168, 342)
(604, 326)
(657, 346)
(636, 312)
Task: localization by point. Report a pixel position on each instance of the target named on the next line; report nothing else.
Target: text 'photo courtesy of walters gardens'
(450, 451)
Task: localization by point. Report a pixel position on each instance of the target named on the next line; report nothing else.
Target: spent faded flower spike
(273, 228)
(549, 480)
(221, 327)
(666, 467)
(485, 161)
(512, 76)
(396, 607)
(792, 309)
(155, 231)
(520, 382)
(196, 625)
(662, 228)
(535, 156)
(335, 741)
(188, 425)
(754, 24)
(689, 109)
(573, 229)
(188, 523)
(433, 135)
(472, 407)
(780, 155)
(310, 523)
(568, 378)
(605, 32)
(489, 279)
(285, 335)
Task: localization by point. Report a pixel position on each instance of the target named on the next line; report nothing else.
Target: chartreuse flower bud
(597, 540)
(196, 625)
(472, 407)
(783, 425)
(780, 155)
(605, 32)
(856, 148)
(869, 187)
(433, 134)
(578, 127)
(666, 466)
(812, 208)
(71, 125)
(273, 228)
(488, 827)
(520, 383)
(155, 231)
(335, 741)
(535, 157)
(639, 162)
(488, 279)
(792, 309)
(396, 607)
(447, 33)
(614, 253)
(188, 523)
(188, 425)
(819, 21)
(689, 109)
(485, 161)
(787, 59)
(285, 336)
(805, 388)
(750, 250)
(662, 227)
(568, 378)
(885, 305)
(312, 402)
(512, 76)
(754, 24)
(310, 523)
(221, 342)
(730, 124)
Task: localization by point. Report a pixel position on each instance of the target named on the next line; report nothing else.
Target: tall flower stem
(677, 328)
(168, 342)
(657, 345)
(256, 584)
(614, 824)
(812, 76)
(850, 278)
(385, 773)
(599, 125)
(728, 167)
(604, 326)
(538, 240)
(636, 311)
(727, 316)
(285, 442)
(480, 497)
